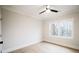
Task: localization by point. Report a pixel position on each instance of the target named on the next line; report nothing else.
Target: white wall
(0, 37)
(19, 30)
(0, 25)
(74, 42)
(0, 31)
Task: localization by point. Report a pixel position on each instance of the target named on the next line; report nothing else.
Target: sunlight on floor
(44, 48)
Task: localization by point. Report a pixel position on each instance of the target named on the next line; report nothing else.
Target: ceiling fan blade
(42, 12)
(53, 10)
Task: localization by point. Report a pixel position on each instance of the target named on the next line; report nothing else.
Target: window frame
(50, 29)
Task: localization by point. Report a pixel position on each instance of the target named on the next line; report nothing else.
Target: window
(62, 29)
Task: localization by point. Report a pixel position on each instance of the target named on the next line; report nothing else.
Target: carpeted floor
(44, 47)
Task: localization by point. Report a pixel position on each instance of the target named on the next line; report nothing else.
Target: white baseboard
(21, 46)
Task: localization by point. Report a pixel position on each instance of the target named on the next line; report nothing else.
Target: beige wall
(74, 42)
(19, 30)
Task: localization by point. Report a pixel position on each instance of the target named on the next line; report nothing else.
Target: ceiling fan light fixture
(48, 11)
(48, 7)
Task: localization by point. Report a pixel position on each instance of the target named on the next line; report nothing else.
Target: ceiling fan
(48, 9)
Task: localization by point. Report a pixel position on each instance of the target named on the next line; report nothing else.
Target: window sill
(62, 37)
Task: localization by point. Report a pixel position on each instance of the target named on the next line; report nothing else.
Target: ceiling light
(48, 11)
(48, 6)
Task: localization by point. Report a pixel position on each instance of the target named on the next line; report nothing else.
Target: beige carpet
(44, 48)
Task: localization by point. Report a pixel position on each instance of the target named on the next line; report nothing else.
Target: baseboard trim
(62, 45)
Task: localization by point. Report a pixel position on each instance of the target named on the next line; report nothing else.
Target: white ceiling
(33, 10)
